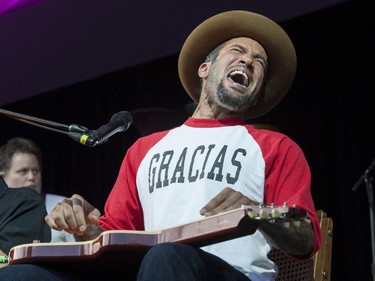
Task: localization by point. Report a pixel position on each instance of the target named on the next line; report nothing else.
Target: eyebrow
(22, 169)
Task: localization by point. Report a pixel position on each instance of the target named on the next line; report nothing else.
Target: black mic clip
(80, 134)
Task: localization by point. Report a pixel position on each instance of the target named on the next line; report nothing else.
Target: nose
(247, 61)
(30, 175)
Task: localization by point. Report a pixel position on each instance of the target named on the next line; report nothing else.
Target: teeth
(245, 80)
(238, 72)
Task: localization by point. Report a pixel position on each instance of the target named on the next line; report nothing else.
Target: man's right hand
(73, 215)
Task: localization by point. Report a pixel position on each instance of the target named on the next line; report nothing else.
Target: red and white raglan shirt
(167, 177)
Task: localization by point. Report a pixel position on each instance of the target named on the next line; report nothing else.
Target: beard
(227, 98)
(230, 101)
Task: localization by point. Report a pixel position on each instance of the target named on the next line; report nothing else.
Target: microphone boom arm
(46, 124)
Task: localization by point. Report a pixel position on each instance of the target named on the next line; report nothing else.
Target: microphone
(119, 122)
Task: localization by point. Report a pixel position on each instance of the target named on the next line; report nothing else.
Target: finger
(84, 212)
(72, 215)
(234, 200)
(93, 217)
(216, 201)
(76, 216)
(64, 215)
(56, 218)
(51, 223)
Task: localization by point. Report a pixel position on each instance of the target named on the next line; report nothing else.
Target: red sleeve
(123, 210)
(288, 177)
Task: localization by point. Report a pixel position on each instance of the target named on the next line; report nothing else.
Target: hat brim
(282, 60)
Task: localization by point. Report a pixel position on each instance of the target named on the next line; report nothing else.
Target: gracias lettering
(202, 162)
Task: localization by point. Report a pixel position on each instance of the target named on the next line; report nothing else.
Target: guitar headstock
(272, 213)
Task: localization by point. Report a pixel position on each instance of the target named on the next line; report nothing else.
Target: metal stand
(118, 123)
(368, 180)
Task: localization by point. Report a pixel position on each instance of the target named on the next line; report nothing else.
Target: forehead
(24, 159)
(246, 42)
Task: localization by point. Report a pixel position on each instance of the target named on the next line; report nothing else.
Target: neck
(209, 112)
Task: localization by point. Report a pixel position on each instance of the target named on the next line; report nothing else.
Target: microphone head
(125, 118)
(119, 122)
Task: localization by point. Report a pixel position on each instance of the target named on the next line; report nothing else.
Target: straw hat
(282, 60)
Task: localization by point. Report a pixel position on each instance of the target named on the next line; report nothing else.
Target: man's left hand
(227, 199)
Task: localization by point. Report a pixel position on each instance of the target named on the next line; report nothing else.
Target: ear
(204, 69)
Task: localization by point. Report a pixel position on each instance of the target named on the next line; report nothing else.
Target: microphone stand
(368, 180)
(46, 124)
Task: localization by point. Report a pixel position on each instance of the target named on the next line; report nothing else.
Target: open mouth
(239, 77)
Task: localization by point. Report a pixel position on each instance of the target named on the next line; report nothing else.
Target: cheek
(39, 179)
(14, 180)
(262, 72)
(259, 74)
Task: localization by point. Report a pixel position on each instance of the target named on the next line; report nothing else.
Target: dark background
(47, 44)
(329, 112)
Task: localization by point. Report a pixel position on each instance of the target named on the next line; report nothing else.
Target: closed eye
(239, 49)
(261, 60)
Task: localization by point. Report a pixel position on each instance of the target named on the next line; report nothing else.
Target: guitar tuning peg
(275, 213)
(296, 223)
(263, 214)
(251, 214)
